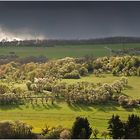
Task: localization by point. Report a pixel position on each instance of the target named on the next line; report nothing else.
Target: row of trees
(82, 92)
(72, 68)
(125, 65)
(52, 89)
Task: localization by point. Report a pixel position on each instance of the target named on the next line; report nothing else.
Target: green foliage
(83, 71)
(81, 129)
(132, 127)
(123, 100)
(125, 65)
(4, 88)
(80, 92)
(22, 130)
(72, 68)
(10, 96)
(73, 75)
(17, 129)
(6, 130)
(116, 127)
(54, 133)
(28, 84)
(31, 76)
(128, 130)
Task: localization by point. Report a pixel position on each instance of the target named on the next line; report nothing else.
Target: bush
(6, 129)
(54, 133)
(10, 129)
(4, 89)
(83, 71)
(65, 134)
(28, 84)
(73, 75)
(123, 100)
(22, 130)
(132, 103)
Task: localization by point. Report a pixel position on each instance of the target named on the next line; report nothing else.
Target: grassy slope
(62, 114)
(65, 51)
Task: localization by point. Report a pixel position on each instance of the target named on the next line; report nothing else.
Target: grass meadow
(66, 50)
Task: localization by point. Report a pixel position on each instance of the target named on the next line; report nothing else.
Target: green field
(63, 114)
(66, 50)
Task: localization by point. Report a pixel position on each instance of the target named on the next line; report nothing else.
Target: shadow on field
(101, 107)
(54, 106)
(8, 107)
(129, 87)
(40, 107)
(106, 107)
(130, 109)
(79, 107)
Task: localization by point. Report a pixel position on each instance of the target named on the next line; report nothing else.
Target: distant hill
(54, 42)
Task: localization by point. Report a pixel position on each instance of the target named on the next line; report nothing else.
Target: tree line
(72, 68)
(51, 89)
(82, 92)
(54, 42)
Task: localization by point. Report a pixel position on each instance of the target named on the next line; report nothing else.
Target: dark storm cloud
(71, 19)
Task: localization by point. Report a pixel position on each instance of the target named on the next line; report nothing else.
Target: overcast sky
(70, 20)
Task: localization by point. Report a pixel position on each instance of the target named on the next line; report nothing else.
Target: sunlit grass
(38, 115)
(63, 114)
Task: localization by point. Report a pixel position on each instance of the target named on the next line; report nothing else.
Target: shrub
(132, 103)
(22, 130)
(6, 129)
(45, 130)
(28, 84)
(65, 134)
(83, 71)
(73, 75)
(54, 133)
(17, 129)
(4, 89)
(123, 100)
